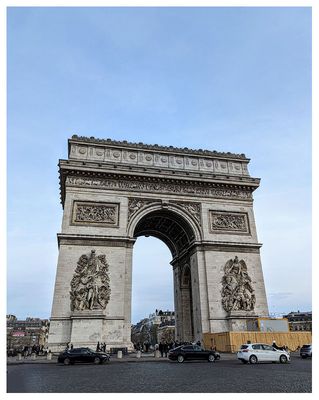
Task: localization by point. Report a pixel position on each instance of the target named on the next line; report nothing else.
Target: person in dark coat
(274, 345)
(165, 349)
(161, 348)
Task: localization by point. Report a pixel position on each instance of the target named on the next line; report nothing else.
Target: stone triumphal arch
(198, 202)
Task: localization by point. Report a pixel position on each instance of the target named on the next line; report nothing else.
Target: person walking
(165, 349)
(161, 348)
(98, 347)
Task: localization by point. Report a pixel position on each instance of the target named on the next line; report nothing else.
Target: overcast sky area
(235, 79)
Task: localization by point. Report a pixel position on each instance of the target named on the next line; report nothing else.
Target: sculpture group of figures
(90, 288)
(237, 292)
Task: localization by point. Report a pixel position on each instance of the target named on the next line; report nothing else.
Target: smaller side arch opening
(186, 305)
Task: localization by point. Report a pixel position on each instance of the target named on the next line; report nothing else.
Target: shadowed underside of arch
(169, 227)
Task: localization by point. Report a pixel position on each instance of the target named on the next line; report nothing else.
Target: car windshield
(188, 348)
(306, 346)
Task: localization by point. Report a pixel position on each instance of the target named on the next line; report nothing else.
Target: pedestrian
(199, 343)
(161, 348)
(98, 346)
(165, 349)
(71, 347)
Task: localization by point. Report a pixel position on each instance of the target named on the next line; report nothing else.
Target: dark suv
(306, 351)
(83, 354)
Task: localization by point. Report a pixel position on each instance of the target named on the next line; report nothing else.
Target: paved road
(224, 376)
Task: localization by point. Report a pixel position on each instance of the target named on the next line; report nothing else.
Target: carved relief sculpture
(237, 292)
(90, 288)
(193, 209)
(160, 186)
(135, 205)
(233, 222)
(96, 213)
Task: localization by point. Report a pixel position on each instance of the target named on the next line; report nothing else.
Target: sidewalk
(131, 357)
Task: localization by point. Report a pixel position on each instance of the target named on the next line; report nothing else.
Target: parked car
(260, 352)
(192, 352)
(306, 351)
(83, 354)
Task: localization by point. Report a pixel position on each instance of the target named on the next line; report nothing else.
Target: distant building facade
(162, 318)
(299, 321)
(26, 333)
(160, 325)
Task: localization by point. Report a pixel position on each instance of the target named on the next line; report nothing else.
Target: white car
(258, 352)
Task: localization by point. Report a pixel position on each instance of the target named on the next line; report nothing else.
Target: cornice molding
(94, 240)
(156, 147)
(155, 184)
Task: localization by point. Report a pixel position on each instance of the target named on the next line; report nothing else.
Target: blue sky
(225, 79)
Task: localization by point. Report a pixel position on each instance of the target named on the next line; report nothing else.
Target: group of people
(144, 347)
(27, 350)
(101, 347)
(274, 345)
(163, 346)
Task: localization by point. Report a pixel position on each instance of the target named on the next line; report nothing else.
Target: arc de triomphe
(198, 202)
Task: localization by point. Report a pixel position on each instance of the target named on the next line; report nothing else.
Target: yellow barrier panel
(231, 341)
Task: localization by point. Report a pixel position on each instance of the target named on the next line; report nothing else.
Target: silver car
(260, 352)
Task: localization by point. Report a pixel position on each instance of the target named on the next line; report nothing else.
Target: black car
(306, 351)
(84, 355)
(192, 352)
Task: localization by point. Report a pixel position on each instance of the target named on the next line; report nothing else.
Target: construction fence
(230, 342)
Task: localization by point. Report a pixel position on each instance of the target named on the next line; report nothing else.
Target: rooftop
(157, 147)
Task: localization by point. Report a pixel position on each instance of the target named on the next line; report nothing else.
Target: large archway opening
(152, 278)
(175, 231)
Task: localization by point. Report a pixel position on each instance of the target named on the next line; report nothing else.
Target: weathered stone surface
(198, 202)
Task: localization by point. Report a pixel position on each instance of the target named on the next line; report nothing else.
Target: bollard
(119, 354)
(138, 354)
(33, 356)
(49, 355)
(157, 354)
(19, 356)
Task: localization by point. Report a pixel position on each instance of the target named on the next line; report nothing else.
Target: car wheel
(106, 360)
(211, 358)
(97, 360)
(180, 358)
(244, 361)
(217, 357)
(253, 360)
(283, 359)
(67, 361)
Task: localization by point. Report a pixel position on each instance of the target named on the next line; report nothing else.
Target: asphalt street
(224, 376)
